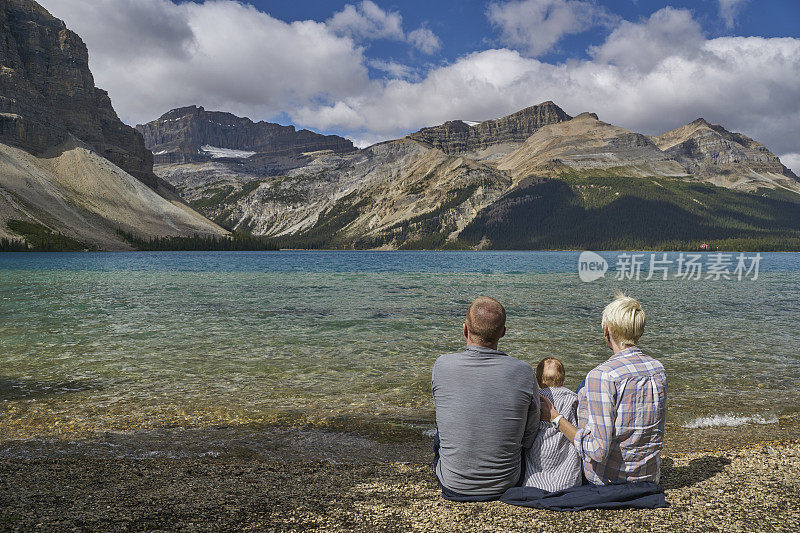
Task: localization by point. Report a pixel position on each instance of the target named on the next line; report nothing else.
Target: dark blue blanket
(639, 495)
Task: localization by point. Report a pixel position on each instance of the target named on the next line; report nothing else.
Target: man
(487, 410)
(622, 407)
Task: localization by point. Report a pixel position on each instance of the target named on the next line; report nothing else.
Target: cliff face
(588, 144)
(47, 92)
(714, 153)
(458, 137)
(192, 134)
(392, 194)
(67, 162)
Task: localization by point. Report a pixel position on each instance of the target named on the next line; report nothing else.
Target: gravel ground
(746, 489)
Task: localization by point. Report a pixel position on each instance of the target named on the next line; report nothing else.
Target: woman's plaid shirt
(621, 413)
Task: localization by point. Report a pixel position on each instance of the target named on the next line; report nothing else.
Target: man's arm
(532, 425)
(594, 440)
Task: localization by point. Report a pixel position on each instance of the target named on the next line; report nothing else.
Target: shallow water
(94, 342)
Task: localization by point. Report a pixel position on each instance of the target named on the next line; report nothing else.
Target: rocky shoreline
(350, 487)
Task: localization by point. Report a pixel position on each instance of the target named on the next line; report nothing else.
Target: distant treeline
(11, 245)
(39, 238)
(234, 243)
(614, 213)
(574, 212)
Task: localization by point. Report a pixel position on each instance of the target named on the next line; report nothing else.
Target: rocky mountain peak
(182, 112)
(47, 92)
(457, 137)
(192, 134)
(712, 152)
(587, 143)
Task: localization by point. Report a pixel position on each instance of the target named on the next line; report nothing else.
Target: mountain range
(70, 170)
(476, 184)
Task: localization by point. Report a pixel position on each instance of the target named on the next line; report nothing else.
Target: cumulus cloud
(367, 21)
(153, 55)
(424, 40)
(149, 27)
(728, 9)
(535, 26)
(747, 84)
(392, 68)
(667, 33)
(649, 76)
(792, 161)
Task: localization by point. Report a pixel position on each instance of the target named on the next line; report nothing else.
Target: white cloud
(424, 40)
(393, 68)
(728, 9)
(535, 26)
(792, 161)
(153, 55)
(747, 84)
(367, 21)
(649, 76)
(362, 140)
(667, 33)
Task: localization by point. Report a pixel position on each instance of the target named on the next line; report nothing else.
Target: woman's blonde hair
(625, 320)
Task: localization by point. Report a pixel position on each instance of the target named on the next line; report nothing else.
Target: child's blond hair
(550, 373)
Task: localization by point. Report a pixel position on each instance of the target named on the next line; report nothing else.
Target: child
(552, 463)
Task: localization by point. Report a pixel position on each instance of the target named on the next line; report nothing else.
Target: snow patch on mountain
(216, 152)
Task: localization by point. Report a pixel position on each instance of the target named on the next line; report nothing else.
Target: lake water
(97, 342)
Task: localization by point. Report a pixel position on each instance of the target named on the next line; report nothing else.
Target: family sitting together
(502, 425)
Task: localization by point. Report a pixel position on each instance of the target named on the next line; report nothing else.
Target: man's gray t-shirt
(487, 407)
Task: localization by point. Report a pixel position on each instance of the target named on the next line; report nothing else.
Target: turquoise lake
(93, 342)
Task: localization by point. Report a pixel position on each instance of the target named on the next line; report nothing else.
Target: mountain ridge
(47, 92)
(712, 152)
(585, 142)
(68, 166)
(425, 189)
(458, 137)
(80, 194)
(179, 135)
(537, 177)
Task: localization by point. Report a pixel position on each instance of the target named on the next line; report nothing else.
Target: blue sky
(463, 27)
(374, 70)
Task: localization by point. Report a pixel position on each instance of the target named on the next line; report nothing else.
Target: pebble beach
(747, 488)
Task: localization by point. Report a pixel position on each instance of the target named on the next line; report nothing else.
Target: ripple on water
(101, 342)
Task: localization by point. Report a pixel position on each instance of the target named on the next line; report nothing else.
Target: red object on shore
(704, 246)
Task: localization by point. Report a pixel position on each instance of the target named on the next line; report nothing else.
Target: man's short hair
(486, 319)
(550, 372)
(625, 320)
